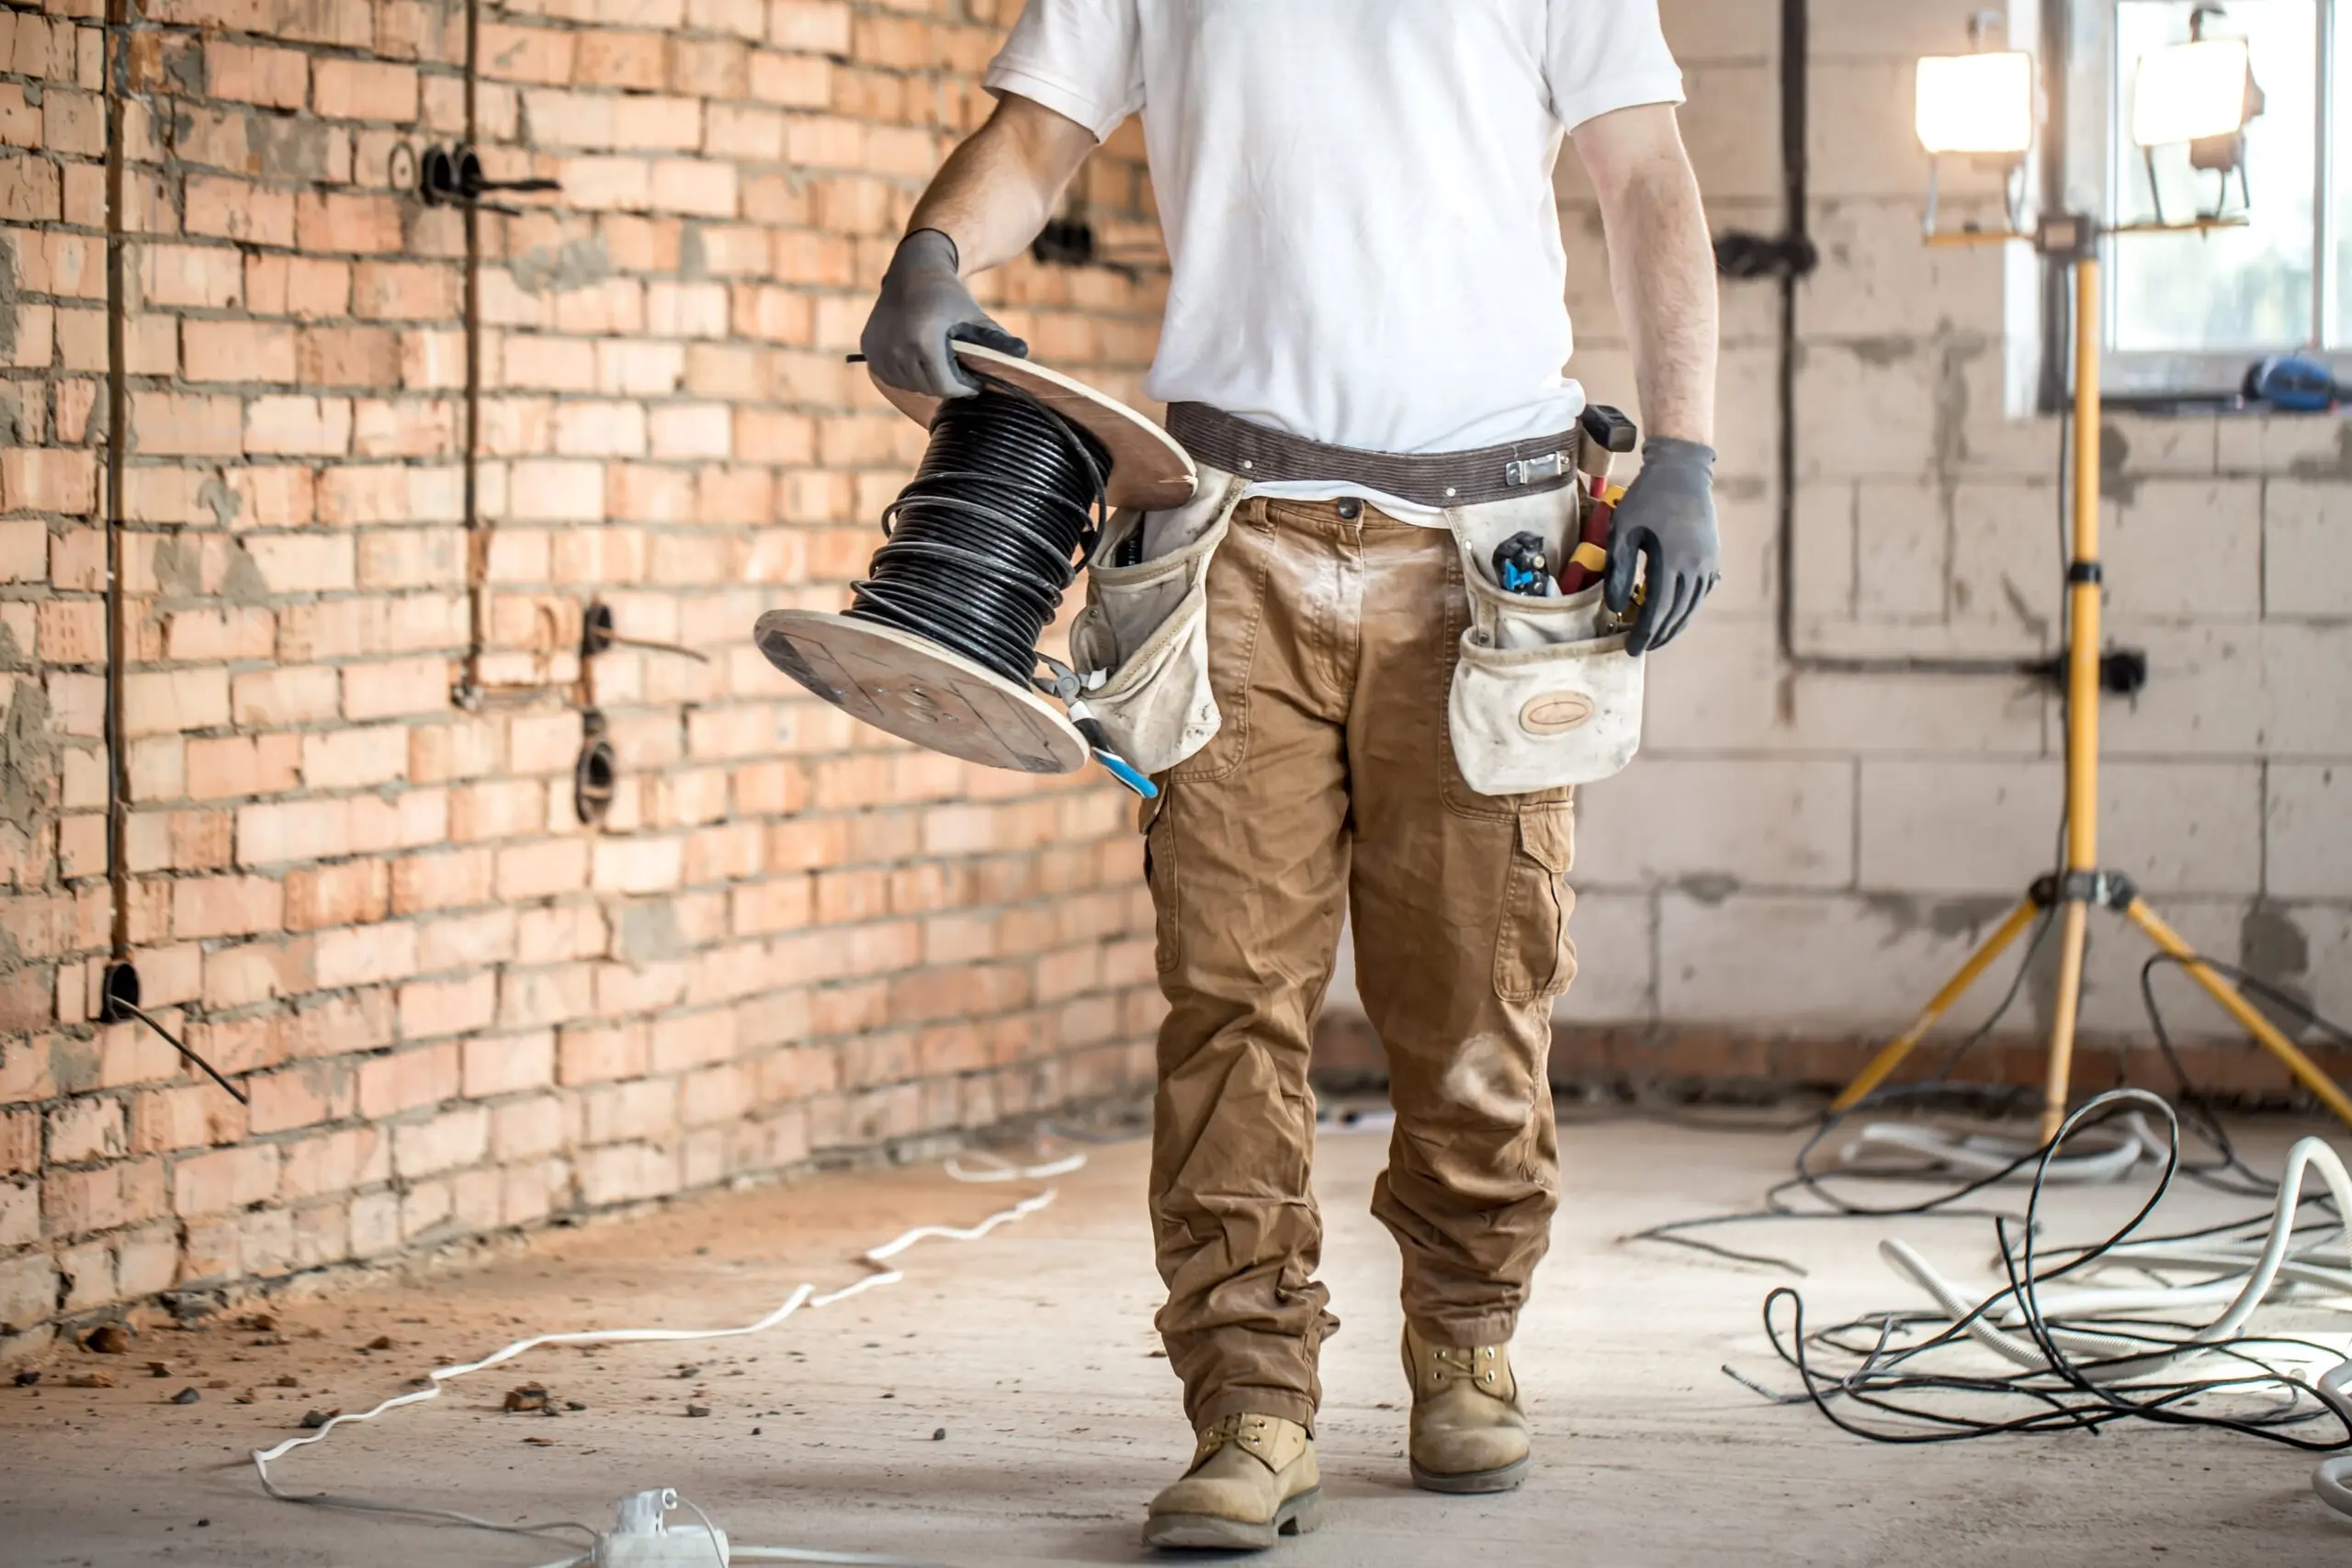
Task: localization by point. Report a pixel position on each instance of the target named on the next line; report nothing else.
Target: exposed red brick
(361, 89)
(275, 77)
(427, 970)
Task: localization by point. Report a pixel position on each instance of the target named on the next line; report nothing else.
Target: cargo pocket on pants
(1544, 694)
(1532, 958)
(1145, 632)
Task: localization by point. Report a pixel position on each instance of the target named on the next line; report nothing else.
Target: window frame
(2085, 129)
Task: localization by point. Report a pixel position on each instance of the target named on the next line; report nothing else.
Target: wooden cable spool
(918, 689)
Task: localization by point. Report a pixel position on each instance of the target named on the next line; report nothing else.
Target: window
(2338, 281)
(2188, 312)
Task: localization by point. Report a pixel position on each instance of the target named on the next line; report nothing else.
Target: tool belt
(1261, 456)
(1542, 695)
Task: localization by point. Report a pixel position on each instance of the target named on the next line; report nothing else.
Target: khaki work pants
(1333, 632)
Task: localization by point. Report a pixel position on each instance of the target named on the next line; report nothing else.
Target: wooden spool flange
(1148, 470)
(919, 691)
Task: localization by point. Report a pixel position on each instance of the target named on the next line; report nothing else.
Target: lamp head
(2194, 91)
(1977, 105)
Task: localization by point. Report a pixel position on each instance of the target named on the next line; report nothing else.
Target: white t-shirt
(1356, 194)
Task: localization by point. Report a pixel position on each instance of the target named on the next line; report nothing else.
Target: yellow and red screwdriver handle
(1607, 433)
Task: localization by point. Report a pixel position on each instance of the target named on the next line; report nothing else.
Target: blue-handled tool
(1069, 686)
(1523, 565)
(1118, 767)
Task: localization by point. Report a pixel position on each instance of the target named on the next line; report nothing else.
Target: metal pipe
(1796, 46)
(469, 683)
(116, 85)
(2325, 285)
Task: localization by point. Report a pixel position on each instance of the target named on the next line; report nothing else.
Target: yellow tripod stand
(2082, 884)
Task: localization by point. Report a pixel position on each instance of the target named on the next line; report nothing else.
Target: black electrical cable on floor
(1883, 1375)
(1007, 505)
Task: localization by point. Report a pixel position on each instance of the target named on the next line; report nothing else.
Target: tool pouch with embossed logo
(1543, 692)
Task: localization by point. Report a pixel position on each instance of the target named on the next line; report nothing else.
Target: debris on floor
(531, 1399)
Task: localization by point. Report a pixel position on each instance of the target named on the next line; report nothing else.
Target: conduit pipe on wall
(116, 85)
(1789, 258)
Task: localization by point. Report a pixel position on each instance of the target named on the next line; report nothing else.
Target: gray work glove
(923, 308)
(1669, 517)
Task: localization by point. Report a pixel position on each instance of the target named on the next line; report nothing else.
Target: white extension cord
(2247, 1271)
(1980, 1154)
(642, 1537)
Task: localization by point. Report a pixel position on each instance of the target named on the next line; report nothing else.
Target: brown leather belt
(1428, 478)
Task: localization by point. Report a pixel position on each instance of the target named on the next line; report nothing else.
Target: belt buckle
(1529, 470)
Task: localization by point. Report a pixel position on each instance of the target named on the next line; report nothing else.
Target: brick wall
(454, 1007)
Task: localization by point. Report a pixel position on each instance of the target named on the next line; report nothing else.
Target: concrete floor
(1033, 1351)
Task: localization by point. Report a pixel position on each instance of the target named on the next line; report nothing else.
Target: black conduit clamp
(2122, 671)
(1743, 255)
(119, 992)
(452, 176)
(596, 774)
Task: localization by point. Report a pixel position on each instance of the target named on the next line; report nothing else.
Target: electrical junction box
(679, 1546)
(644, 1538)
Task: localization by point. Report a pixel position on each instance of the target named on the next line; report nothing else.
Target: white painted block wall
(1810, 854)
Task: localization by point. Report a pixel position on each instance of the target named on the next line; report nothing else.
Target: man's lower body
(1331, 788)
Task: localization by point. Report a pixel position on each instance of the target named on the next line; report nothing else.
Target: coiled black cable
(1006, 507)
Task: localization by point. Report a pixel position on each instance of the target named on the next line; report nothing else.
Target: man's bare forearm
(1663, 272)
(998, 188)
(1661, 266)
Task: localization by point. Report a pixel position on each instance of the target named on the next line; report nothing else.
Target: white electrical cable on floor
(1977, 1155)
(1001, 1170)
(2250, 1277)
(803, 1295)
(2309, 1154)
(2333, 1480)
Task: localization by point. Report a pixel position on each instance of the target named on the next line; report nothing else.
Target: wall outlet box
(679, 1546)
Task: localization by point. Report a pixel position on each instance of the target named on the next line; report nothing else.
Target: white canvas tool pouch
(1144, 631)
(1544, 694)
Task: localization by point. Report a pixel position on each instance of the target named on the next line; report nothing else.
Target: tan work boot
(1468, 1432)
(1253, 1479)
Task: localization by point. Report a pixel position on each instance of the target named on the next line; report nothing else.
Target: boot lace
(1481, 1366)
(1450, 1359)
(1232, 1431)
